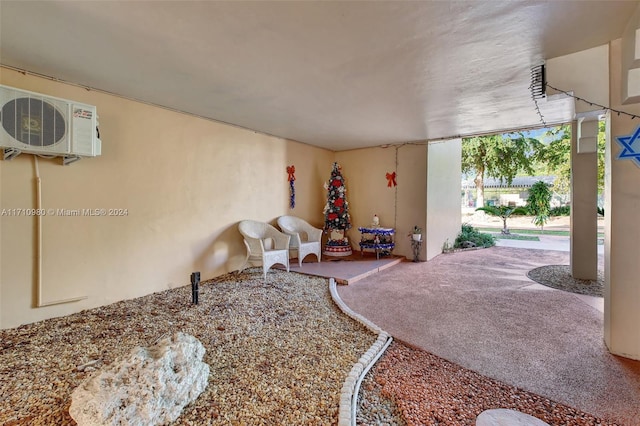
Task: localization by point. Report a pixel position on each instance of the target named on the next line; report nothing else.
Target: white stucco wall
(630, 60)
(622, 227)
(600, 75)
(443, 195)
(584, 73)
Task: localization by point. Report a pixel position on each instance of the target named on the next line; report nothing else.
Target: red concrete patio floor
(479, 310)
(347, 269)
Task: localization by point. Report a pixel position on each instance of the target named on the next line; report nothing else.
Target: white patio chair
(265, 244)
(305, 239)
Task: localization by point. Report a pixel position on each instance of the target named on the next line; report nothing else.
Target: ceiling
(339, 75)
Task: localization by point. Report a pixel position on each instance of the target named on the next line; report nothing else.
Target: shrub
(539, 203)
(560, 211)
(503, 212)
(469, 233)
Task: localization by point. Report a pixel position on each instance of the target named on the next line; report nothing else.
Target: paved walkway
(547, 242)
(480, 310)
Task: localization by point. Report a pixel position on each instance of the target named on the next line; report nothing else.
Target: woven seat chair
(265, 244)
(305, 239)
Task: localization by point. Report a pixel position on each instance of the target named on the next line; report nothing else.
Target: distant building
(498, 192)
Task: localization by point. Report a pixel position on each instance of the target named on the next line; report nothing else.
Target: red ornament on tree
(337, 219)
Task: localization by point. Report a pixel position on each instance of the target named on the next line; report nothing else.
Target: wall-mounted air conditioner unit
(38, 124)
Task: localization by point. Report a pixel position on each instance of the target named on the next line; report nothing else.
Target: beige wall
(364, 171)
(443, 195)
(185, 183)
(412, 196)
(424, 172)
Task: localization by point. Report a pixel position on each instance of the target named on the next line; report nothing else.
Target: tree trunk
(479, 190)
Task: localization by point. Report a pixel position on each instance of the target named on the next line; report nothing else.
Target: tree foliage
(505, 156)
(602, 142)
(497, 156)
(556, 157)
(539, 203)
(336, 211)
(503, 212)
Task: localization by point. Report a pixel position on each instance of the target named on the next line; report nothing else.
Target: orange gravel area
(428, 390)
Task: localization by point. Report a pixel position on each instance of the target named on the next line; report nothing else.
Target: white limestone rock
(150, 387)
(506, 417)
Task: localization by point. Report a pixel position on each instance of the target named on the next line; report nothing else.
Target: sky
(538, 134)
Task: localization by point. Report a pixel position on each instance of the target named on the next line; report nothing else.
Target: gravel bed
(414, 387)
(559, 277)
(279, 351)
(375, 408)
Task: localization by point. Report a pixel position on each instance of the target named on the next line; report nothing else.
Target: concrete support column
(444, 167)
(622, 233)
(622, 226)
(584, 199)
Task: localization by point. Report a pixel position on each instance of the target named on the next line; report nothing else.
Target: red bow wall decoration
(391, 179)
(291, 170)
(292, 190)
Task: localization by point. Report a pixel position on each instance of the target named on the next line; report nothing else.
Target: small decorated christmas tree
(336, 215)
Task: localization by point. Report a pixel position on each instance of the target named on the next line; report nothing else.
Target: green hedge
(560, 211)
(469, 233)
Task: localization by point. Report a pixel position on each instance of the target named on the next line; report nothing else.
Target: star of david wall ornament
(630, 147)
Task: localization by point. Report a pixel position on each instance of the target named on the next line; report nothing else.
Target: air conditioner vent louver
(538, 82)
(39, 124)
(33, 122)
